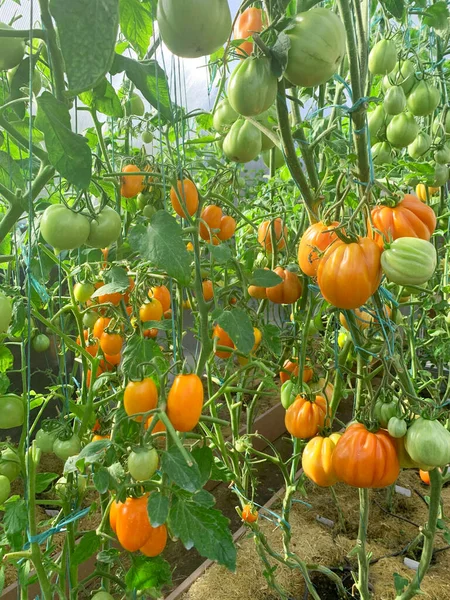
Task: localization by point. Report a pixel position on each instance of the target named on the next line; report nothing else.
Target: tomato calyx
(347, 238)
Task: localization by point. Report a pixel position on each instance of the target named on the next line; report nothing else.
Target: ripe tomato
(188, 193)
(64, 229)
(41, 342)
(64, 448)
(156, 542)
(5, 310)
(208, 290)
(286, 292)
(143, 463)
(304, 418)
(111, 343)
(97, 437)
(151, 311)
(258, 292)
(280, 232)
(223, 340)
(364, 459)
(211, 218)
(363, 318)
(131, 185)
(105, 228)
(12, 411)
(290, 369)
(315, 240)
(421, 191)
(158, 428)
(140, 397)
(227, 228)
(250, 21)
(249, 514)
(100, 325)
(5, 489)
(185, 402)
(425, 476)
(114, 298)
(132, 524)
(410, 218)
(162, 294)
(110, 361)
(83, 291)
(89, 375)
(349, 274)
(151, 333)
(317, 460)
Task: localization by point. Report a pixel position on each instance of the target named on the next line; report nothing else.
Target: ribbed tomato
(304, 418)
(364, 459)
(249, 22)
(315, 240)
(185, 402)
(290, 369)
(349, 274)
(287, 291)
(409, 261)
(317, 460)
(410, 218)
(428, 443)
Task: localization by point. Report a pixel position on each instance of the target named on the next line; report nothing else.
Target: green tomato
(240, 182)
(64, 229)
(441, 175)
(442, 126)
(279, 158)
(9, 464)
(5, 489)
(376, 122)
(424, 99)
(83, 291)
(402, 130)
(243, 142)
(147, 137)
(384, 411)
(134, 106)
(66, 448)
(252, 87)
(45, 440)
(148, 211)
(420, 146)
(143, 464)
(395, 100)
(105, 229)
(224, 116)
(11, 50)
(342, 338)
(397, 427)
(12, 411)
(442, 155)
(428, 443)
(403, 74)
(102, 596)
(142, 200)
(289, 392)
(382, 153)
(62, 487)
(269, 119)
(194, 28)
(317, 47)
(41, 342)
(409, 261)
(89, 319)
(2, 139)
(36, 81)
(382, 57)
(5, 312)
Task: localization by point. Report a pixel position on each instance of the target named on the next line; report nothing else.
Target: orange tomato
(364, 459)
(210, 224)
(151, 311)
(250, 21)
(208, 290)
(190, 247)
(140, 397)
(111, 343)
(185, 402)
(349, 274)
(363, 318)
(424, 476)
(290, 369)
(151, 333)
(249, 514)
(131, 185)
(156, 542)
(258, 292)
(317, 460)
(223, 340)
(97, 437)
(133, 526)
(304, 418)
(227, 228)
(287, 291)
(100, 325)
(89, 375)
(265, 234)
(113, 510)
(315, 240)
(158, 428)
(110, 361)
(188, 193)
(162, 294)
(114, 298)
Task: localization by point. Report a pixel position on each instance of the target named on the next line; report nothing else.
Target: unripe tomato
(403, 74)
(252, 87)
(376, 123)
(105, 228)
(223, 340)
(64, 448)
(131, 185)
(9, 464)
(134, 106)
(409, 261)
(5, 309)
(420, 146)
(11, 50)
(90, 318)
(382, 57)
(143, 463)
(148, 211)
(424, 99)
(249, 514)
(441, 175)
(45, 440)
(188, 193)
(111, 343)
(162, 294)
(64, 229)
(397, 427)
(394, 101)
(402, 130)
(243, 143)
(41, 342)
(384, 411)
(185, 402)
(12, 411)
(147, 137)
(428, 443)
(83, 291)
(62, 489)
(151, 311)
(5, 489)
(442, 154)
(140, 397)
(224, 116)
(102, 596)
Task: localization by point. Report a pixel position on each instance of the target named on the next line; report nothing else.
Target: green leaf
(15, 518)
(204, 528)
(136, 24)
(162, 244)
(436, 15)
(104, 99)
(88, 545)
(43, 481)
(2, 578)
(4, 383)
(221, 254)
(23, 127)
(19, 86)
(150, 79)
(237, 324)
(117, 281)
(204, 498)
(394, 7)
(176, 468)
(102, 480)
(87, 31)
(68, 152)
(204, 459)
(265, 278)
(137, 351)
(158, 508)
(272, 338)
(149, 574)
(10, 173)
(6, 359)
(400, 583)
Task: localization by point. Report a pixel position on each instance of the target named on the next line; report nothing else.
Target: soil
(388, 535)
